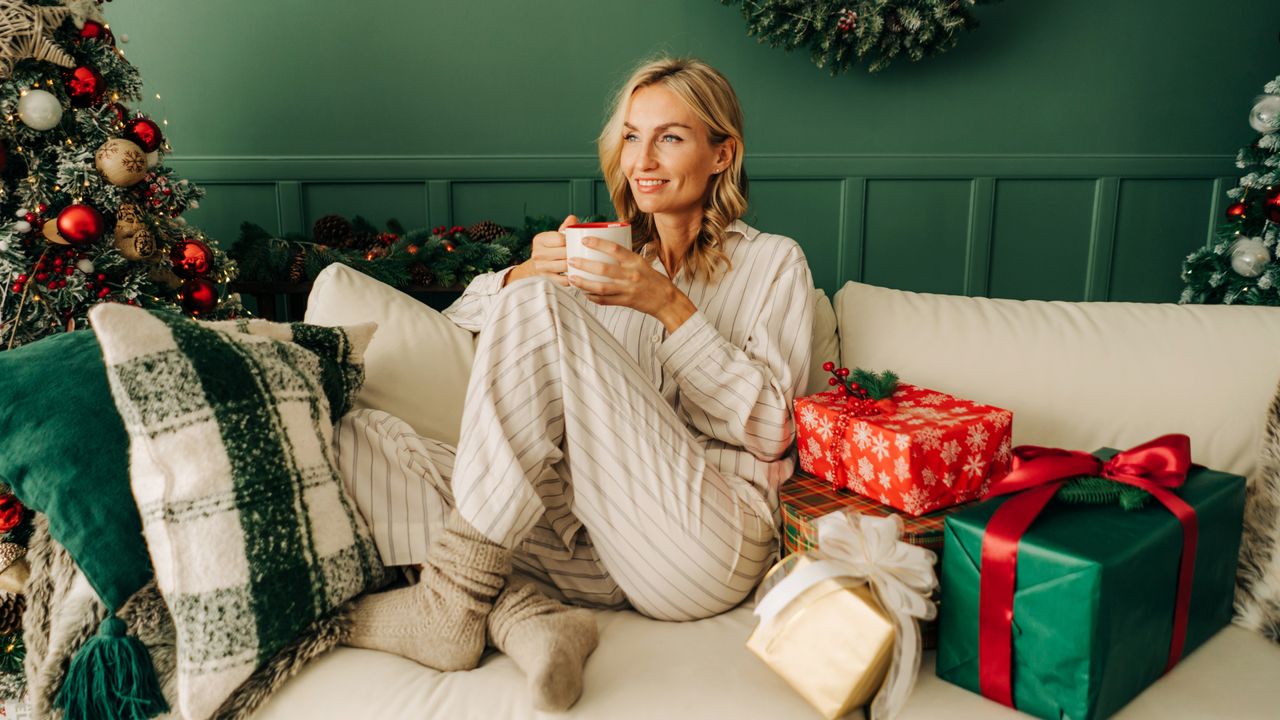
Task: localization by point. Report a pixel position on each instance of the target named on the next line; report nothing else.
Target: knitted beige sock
(548, 640)
(440, 621)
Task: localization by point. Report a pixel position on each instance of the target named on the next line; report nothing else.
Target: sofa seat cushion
(1081, 375)
(649, 669)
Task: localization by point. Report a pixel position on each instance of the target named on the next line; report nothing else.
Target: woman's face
(667, 152)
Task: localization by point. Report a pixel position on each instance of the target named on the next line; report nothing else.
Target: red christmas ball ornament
(94, 30)
(199, 296)
(120, 111)
(80, 224)
(84, 85)
(1236, 210)
(144, 132)
(11, 512)
(191, 258)
(1271, 206)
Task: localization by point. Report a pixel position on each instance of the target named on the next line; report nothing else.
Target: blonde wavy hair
(712, 99)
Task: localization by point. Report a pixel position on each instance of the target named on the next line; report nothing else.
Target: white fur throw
(250, 533)
(1258, 589)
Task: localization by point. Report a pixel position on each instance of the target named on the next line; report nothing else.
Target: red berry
(843, 372)
(833, 382)
(17, 287)
(22, 278)
(104, 292)
(42, 276)
(828, 366)
(68, 270)
(57, 262)
(41, 208)
(102, 276)
(30, 217)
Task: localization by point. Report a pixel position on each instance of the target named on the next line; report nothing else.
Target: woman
(622, 441)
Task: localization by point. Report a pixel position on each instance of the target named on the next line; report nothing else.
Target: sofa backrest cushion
(1081, 375)
(826, 344)
(418, 363)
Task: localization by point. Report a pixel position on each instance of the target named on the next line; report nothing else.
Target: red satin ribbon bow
(1037, 473)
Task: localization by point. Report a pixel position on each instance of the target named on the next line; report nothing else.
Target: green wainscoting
(1073, 150)
(1018, 227)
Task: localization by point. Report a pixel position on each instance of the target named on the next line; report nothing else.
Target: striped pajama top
(733, 369)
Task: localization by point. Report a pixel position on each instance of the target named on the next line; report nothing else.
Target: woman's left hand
(632, 283)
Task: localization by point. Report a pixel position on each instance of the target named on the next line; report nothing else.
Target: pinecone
(421, 275)
(486, 231)
(298, 266)
(11, 607)
(331, 230)
(362, 242)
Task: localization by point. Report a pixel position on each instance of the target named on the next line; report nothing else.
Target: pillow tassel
(112, 678)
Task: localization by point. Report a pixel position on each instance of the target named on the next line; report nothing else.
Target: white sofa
(1079, 375)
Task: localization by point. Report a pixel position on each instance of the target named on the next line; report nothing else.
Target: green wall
(1071, 149)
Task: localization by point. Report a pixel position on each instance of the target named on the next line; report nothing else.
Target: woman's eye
(671, 138)
(630, 137)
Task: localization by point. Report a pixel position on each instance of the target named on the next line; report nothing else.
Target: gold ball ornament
(139, 245)
(121, 162)
(50, 231)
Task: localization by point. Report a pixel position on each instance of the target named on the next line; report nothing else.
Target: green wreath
(841, 33)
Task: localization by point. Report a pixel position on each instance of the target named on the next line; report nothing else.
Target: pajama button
(656, 339)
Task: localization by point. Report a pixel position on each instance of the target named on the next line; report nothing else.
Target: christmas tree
(1241, 267)
(88, 211)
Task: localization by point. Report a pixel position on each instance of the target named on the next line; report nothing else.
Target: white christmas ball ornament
(22, 226)
(85, 265)
(153, 158)
(39, 109)
(1249, 257)
(1266, 111)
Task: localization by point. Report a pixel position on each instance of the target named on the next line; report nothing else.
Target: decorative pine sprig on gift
(1101, 491)
(868, 392)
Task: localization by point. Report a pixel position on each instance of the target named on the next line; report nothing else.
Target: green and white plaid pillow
(250, 533)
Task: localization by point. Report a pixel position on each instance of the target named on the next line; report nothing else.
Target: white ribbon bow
(900, 574)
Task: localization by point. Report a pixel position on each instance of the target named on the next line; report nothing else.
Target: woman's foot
(548, 640)
(440, 621)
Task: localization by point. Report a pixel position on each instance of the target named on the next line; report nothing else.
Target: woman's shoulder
(756, 242)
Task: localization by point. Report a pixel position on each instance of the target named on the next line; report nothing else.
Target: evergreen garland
(447, 257)
(840, 33)
(1241, 267)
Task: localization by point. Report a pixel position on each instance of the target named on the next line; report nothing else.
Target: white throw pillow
(419, 362)
(1081, 375)
(826, 343)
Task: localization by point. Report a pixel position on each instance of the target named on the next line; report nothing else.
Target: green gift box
(1094, 598)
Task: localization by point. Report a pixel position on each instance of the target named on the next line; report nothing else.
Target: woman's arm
(470, 311)
(744, 396)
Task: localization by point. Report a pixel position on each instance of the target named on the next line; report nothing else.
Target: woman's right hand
(547, 257)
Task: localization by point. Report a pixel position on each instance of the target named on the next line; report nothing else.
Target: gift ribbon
(854, 409)
(1156, 466)
(901, 576)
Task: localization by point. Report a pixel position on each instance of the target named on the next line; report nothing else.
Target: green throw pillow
(64, 451)
(249, 529)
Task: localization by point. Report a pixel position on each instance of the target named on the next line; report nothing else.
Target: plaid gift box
(805, 498)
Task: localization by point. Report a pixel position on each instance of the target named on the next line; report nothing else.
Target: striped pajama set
(621, 464)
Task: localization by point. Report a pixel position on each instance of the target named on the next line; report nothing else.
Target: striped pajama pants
(569, 457)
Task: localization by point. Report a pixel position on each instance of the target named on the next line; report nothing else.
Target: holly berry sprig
(868, 392)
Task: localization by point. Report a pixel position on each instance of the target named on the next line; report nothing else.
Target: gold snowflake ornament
(26, 32)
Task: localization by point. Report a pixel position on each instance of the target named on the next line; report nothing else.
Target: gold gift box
(832, 643)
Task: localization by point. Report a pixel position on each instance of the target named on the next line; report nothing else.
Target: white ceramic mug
(614, 232)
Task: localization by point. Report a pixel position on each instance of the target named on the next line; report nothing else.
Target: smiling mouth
(650, 185)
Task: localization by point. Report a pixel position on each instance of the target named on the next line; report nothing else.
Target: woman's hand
(632, 283)
(547, 257)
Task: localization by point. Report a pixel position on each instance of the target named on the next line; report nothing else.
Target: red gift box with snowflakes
(927, 450)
